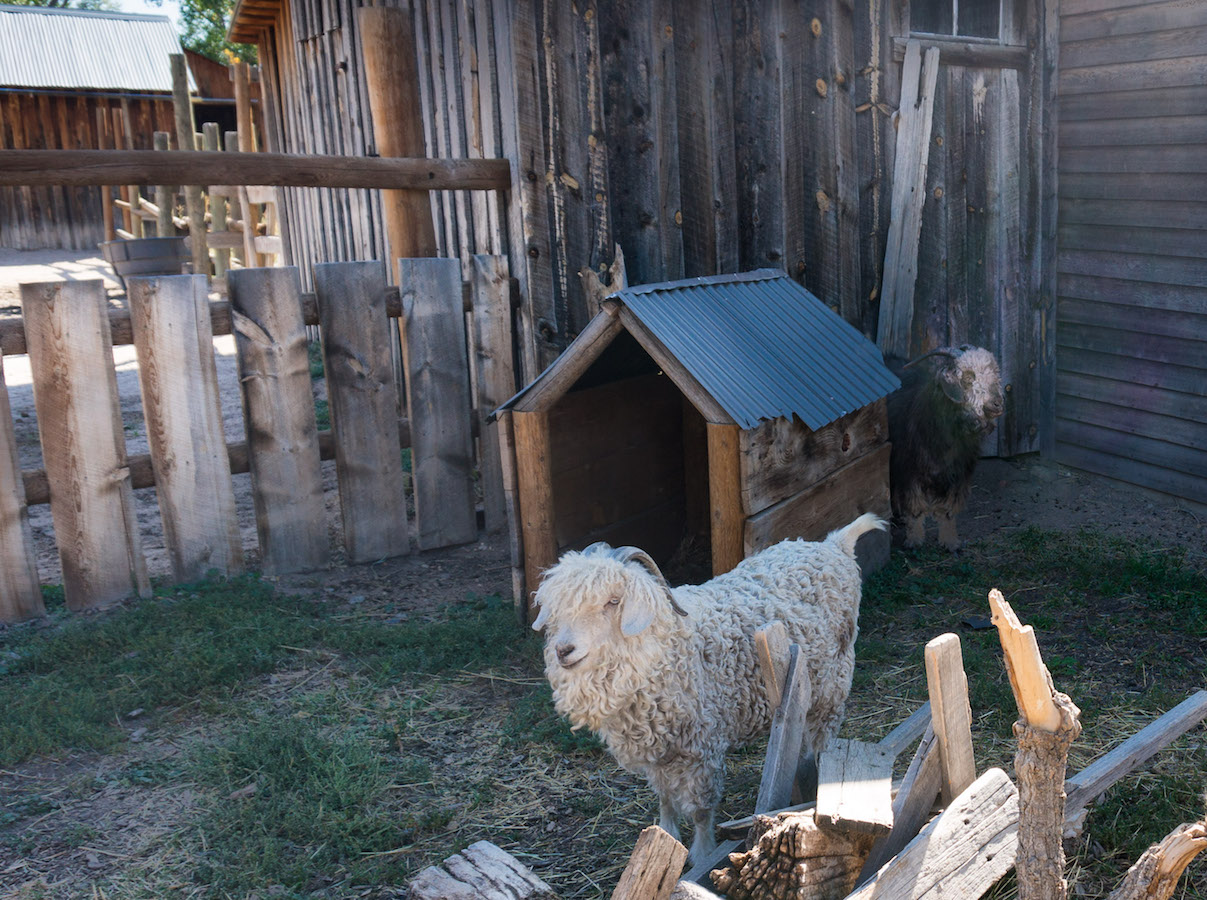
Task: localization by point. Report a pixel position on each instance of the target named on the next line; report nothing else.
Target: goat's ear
(541, 618)
(639, 607)
(949, 381)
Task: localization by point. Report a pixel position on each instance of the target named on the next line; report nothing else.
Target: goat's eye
(969, 377)
(614, 600)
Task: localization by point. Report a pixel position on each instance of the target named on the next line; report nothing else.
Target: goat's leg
(915, 530)
(666, 817)
(948, 535)
(704, 840)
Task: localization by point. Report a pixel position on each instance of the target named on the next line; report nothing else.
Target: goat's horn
(637, 555)
(599, 548)
(941, 351)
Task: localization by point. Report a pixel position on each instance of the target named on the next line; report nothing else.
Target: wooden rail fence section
(89, 479)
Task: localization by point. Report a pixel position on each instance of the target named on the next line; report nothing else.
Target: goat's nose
(993, 409)
(564, 651)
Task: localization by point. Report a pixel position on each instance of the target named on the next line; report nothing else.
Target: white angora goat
(669, 677)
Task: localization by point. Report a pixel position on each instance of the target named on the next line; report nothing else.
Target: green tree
(203, 25)
(66, 4)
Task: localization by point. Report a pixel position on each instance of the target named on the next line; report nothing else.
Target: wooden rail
(76, 168)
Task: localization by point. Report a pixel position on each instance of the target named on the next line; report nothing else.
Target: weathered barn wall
(68, 218)
(1131, 384)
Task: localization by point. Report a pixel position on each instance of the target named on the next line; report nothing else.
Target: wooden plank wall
(62, 217)
(1131, 382)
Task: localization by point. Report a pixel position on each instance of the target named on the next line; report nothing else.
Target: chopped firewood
(854, 790)
(480, 872)
(1047, 726)
(653, 869)
(1156, 872)
(792, 857)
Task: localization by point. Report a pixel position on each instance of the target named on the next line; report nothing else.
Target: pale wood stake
(84, 447)
(725, 497)
(653, 869)
(178, 379)
(436, 363)
(20, 593)
(494, 356)
(283, 448)
(364, 402)
(948, 686)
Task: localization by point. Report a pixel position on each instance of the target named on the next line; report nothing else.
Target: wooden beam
(725, 497)
(74, 168)
(948, 686)
(569, 367)
(908, 731)
(534, 470)
(959, 52)
(653, 869)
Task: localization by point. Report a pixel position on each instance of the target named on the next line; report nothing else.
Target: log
(855, 788)
(76, 168)
(178, 380)
(653, 869)
(83, 445)
(1047, 726)
(20, 592)
(948, 687)
(1155, 875)
(481, 871)
(962, 853)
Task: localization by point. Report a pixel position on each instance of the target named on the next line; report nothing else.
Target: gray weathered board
(496, 374)
(481, 871)
(83, 444)
(20, 593)
(363, 400)
(437, 367)
(178, 378)
(282, 433)
(855, 787)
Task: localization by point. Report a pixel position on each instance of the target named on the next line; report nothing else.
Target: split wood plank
(855, 787)
(1029, 677)
(494, 364)
(283, 449)
(962, 853)
(178, 379)
(363, 400)
(83, 445)
(653, 869)
(771, 644)
(1091, 782)
(534, 471)
(948, 687)
(908, 731)
(20, 593)
(909, 194)
(436, 363)
(912, 806)
(481, 871)
(186, 140)
(725, 497)
(787, 736)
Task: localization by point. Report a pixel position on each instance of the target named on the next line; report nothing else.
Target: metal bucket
(146, 256)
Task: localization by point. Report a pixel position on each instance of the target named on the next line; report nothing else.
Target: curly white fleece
(669, 700)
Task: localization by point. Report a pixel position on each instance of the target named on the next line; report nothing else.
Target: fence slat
(178, 378)
(91, 503)
(20, 595)
(496, 375)
(438, 399)
(364, 408)
(282, 434)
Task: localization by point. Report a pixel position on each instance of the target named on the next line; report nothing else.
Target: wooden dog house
(734, 410)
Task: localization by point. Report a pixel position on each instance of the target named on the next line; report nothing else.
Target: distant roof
(759, 344)
(47, 47)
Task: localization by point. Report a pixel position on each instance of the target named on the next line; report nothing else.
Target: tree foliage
(66, 4)
(203, 25)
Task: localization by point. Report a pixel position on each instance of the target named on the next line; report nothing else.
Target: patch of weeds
(322, 413)
(314, 354)
(77, 834)
(317, 808)
(535, 723)
(24, 808)
(149, 772)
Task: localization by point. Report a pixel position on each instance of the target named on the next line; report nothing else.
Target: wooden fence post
(186, 140)
(165, 195)
(388, 39)
(534, 482)
(437, 380)
(496, 375)
(102, 143)
(282, 434)
(364, 408)
(217, 203)
(20, 593)
(948, 686)
(178, 378)
(80, 427)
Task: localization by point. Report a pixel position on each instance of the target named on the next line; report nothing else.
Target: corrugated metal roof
(95, 50)
(763, 346)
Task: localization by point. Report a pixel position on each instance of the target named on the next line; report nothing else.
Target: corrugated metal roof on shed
(47, 48)
(763, 346)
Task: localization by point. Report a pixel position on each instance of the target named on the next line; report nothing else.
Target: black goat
(947, 402)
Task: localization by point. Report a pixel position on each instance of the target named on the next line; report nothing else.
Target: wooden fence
(88, 479)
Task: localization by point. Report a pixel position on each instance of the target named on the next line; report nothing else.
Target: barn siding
(1131, 384)
(63, 217)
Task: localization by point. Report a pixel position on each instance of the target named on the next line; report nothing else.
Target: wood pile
(939, 830)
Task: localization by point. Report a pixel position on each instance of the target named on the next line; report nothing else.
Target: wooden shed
(729, 411)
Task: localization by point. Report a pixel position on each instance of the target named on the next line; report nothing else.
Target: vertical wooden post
(20, 594)
(170, 318)
(165, 195)
(102, 143)
(217, 203)
(243, 117)
(135, 194)
(496, 375)
(364, 408)
(278, 406)
(388, 38)
(436, 363)
(185, 138)
(952, 716)
(84, 448)
(534, 471)
(511, 501)
(247, 213)
(725, 497)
